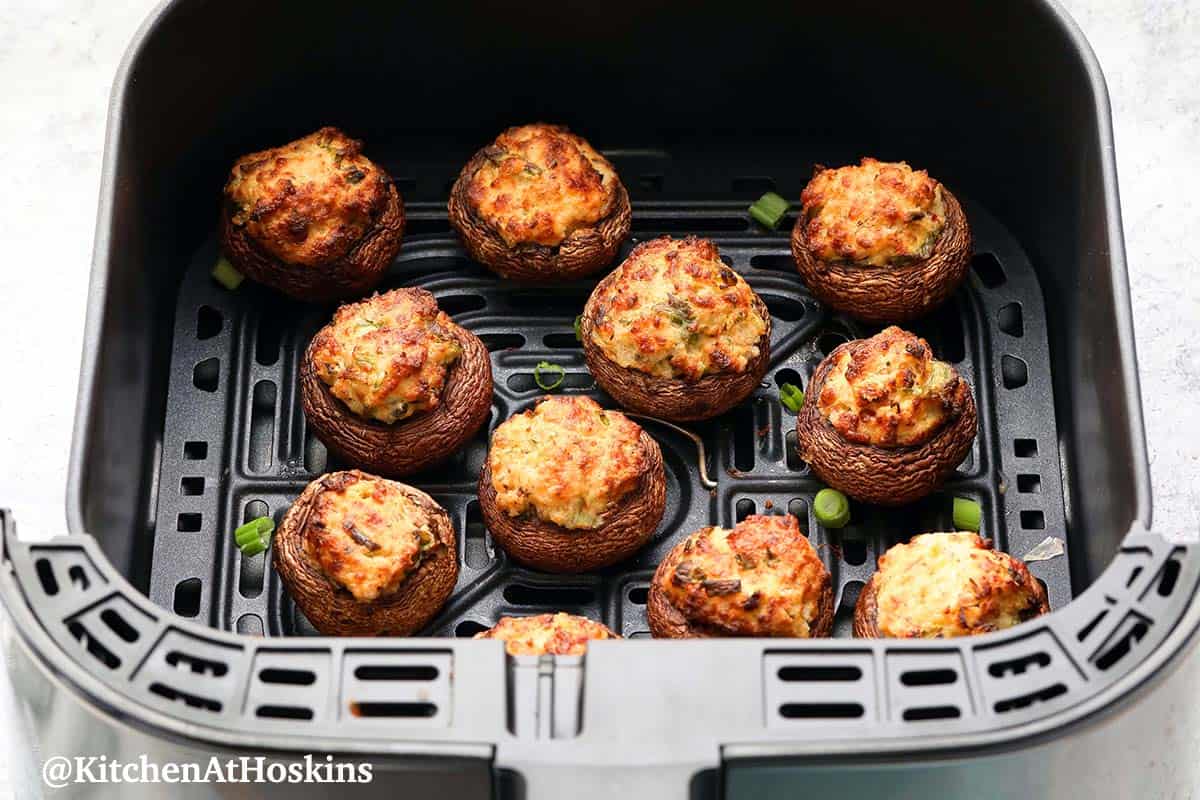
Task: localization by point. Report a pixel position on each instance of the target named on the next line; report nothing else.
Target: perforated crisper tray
(235, 444)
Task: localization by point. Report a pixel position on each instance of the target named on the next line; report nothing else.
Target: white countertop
(57, 62)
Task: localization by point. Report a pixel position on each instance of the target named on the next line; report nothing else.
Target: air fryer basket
(190, 422)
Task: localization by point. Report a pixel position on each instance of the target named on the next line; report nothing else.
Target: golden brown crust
(332, 609)
(585, 218)
(342, 243)
(671, 398)
(566, 461)
(888, 476)
(893, 293)
(413, 444)
(626, 527)
(763, 578)
(547, 634)
(995, 592)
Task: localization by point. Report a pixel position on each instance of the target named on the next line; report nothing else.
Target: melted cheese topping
(673, 309)
(940, 585)
(539, 184)
(876, 214)
(568, 461)
(553, 634)
(367, 535)
(888, 391)
(310, 201)
(386, 357)
(763, 578)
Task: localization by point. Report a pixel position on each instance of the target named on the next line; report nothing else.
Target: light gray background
(57, 61)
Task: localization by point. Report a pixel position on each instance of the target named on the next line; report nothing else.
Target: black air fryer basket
(190, 421)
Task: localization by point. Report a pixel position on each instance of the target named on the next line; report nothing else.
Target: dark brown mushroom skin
(583, 252)
(671, 398)
(330, 608)
(886, 476)
(353, 274)
(552, 548)
(422, 441)
(668, 622)
(892, 293)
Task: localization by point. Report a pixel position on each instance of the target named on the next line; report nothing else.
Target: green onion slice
(253, 537)
(578, 335)
(792, 397)
(831, 508)
(967, 514)
(226, 275)
(769, 210)
(554, 369)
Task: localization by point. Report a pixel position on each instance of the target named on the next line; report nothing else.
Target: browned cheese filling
(547, 634)
(673, 309)
(310, 201)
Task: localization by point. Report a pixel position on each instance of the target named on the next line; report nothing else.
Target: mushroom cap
(890, 293)
(332, 609)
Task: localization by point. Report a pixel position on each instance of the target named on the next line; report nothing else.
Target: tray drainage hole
(191, 487)
(988, 268)
(745, 438)
(206, 374)
(208, 322)
(196, 665)
(1029, 484)
(928, 677)
(1086, 631)
(117, 624)
(854, 551)
(650, 224)
(1011, 321)
(1131, 631)
(287, 677)
(744, 508)
(561, 341)
(250, 625)
(456, 304)
(378, 709)
(191, 700)
(419, 672)
(793, 674)
(502, 341)
(262, 426)
(1013, 371)
(1025, 448)
(95, 649)
(1026, 700)
(792, 453)
(828, 342)
(783, 308)
(931, 712)
(773, 263)
(798, 509)
(284, 712)
(45, 573)
(315, 454)
(475, 549)
(268, 337)
(78, 578)
(468, 628)
(752, 184)
(1018, 666)
(195, 451)
(187, 598)
(1170, 574)
(439, 226)
(1033, 520)
(189, 522)
(638, 595)
(523, 595)
(821, 710)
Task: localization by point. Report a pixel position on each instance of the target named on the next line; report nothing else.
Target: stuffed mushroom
(880, 241)
(365, 556)
(760, 578)
(547, 634)
(392, 385)
(314, 218)
(540, 204)
(885, 422)
(569, 486)
(675, 333)
(940, 585)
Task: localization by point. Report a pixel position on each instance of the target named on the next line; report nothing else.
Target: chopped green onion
(253, 537)
(792, 397)
(554, 369)
(831, 508)
(967, 514)
(769, 210)
(226, 275)
(578, 335)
